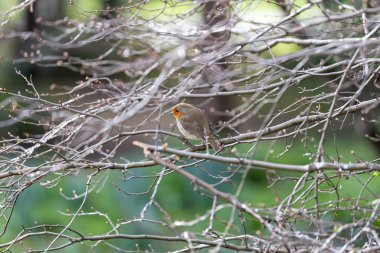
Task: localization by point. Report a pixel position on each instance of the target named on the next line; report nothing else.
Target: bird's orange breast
(177, 114)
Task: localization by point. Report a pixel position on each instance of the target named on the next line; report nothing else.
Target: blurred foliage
(47, 205)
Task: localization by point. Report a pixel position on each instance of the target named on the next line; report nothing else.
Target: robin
(193, 124)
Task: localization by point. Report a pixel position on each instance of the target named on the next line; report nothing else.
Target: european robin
(193, 124)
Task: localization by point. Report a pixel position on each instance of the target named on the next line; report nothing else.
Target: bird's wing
(194, 128)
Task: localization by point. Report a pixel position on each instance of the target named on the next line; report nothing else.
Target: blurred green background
(50, 203)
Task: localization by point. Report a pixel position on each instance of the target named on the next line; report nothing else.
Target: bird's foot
(187, 143)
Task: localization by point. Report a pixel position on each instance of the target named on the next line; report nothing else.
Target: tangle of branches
(292, 88)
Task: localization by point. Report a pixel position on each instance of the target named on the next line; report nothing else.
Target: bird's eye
(176, 110)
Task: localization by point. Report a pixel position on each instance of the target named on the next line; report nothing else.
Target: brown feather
(194, 123)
